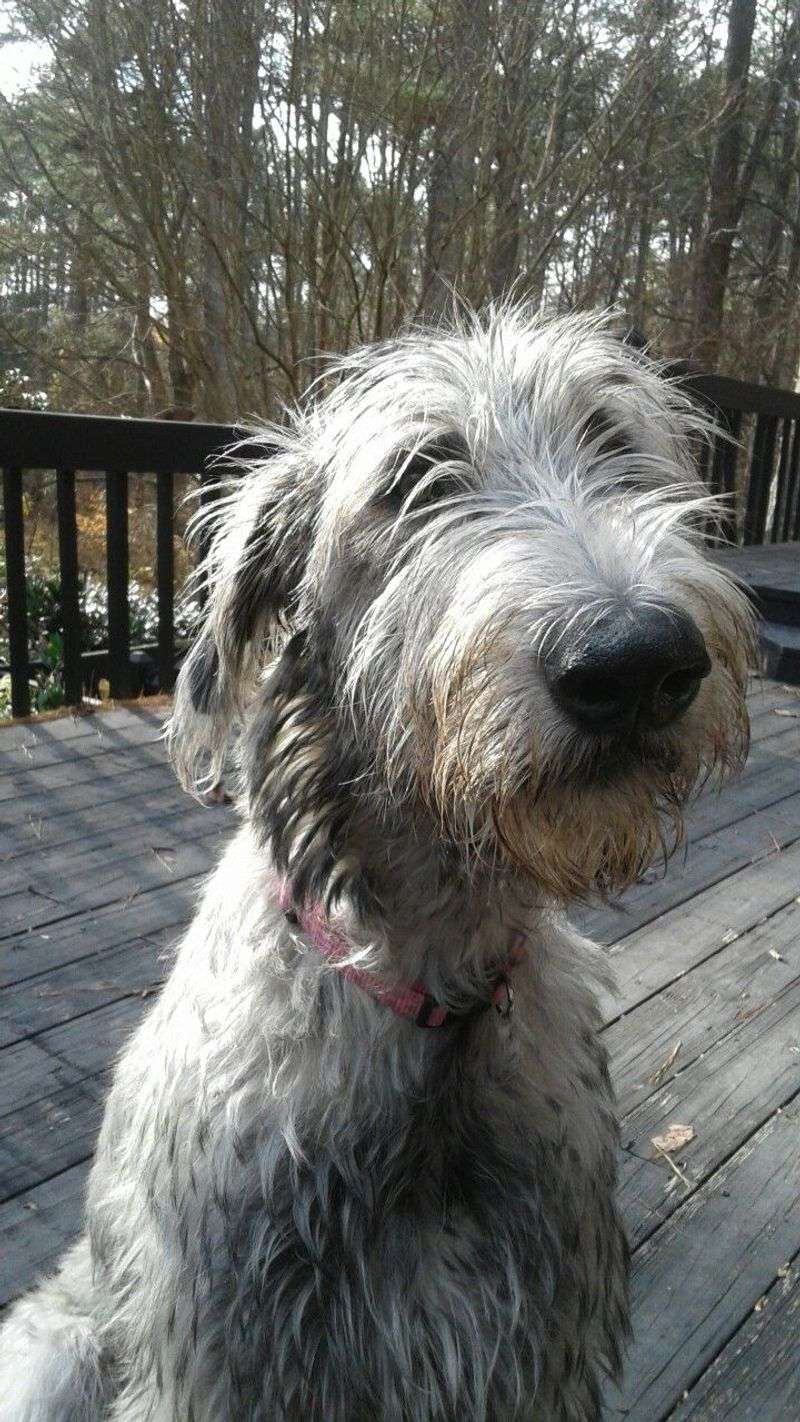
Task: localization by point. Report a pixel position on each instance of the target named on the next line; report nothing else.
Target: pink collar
(411, 1002)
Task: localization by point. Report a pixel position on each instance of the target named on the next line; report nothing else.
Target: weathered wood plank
(95, 770)
(127, 969)
(158, 911)
(36, 1228)
(701, 1007)
(779, 696)
(681, 938)
(756, 1377)
(38, 905)
(50, 1135)
(64, 727)
(724, 1095)
(65, 1055)
(84, 738)
(765, 696)
(54, 867)
(86, 803)
(137, 804)
(700, 1275)
(771, 723)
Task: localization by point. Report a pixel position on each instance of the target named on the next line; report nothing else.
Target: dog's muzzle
(638, 668)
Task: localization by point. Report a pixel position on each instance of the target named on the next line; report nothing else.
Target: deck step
(777, 604)
(770, 573)
(779, 647)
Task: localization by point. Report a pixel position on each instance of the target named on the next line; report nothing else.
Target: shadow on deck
(102, 856)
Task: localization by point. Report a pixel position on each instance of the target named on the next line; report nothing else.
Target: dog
(359, 1161)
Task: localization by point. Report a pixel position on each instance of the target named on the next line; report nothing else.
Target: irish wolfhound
(463, 619)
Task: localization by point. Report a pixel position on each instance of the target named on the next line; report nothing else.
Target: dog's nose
(639, 666)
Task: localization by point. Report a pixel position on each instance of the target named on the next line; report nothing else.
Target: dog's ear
(258, 535)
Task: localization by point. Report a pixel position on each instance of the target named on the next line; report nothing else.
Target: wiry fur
(303, 1206)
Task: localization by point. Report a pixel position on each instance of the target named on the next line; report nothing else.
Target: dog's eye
(428, 474)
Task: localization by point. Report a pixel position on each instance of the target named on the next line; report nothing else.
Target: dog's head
(479, 561)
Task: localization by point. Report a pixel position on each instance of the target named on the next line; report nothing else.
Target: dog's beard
(595, 818)
(574, 839)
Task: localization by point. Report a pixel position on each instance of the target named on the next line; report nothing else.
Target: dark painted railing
(759, 468)
(120, 450)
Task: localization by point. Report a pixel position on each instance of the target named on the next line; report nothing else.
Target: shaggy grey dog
(463, 619)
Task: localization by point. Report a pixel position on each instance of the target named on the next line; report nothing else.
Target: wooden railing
(759, 468)
(118, 449)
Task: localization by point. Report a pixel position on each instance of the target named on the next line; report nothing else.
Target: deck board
(101, 860)
(701, 1272)
(756, 1377)
(775, 565)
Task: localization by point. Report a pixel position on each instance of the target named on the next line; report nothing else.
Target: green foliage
(45, 637)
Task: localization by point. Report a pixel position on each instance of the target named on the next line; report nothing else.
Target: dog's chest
(412, 1258)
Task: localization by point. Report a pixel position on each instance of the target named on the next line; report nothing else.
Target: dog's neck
(409, 1000)
(423, 915)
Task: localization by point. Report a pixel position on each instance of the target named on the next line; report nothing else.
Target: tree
(198, 200)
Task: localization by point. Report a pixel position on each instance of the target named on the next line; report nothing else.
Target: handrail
(36, 439)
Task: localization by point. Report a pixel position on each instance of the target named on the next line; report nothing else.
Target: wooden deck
(772, 566)
(100, 860)
(771, 571)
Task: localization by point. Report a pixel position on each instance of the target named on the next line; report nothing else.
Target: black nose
(639, 666)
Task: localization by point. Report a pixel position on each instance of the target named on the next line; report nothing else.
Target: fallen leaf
(786, 712)
(673, 1138)
(773, 953)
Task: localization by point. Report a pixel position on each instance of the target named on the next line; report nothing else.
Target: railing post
(119, 636)
(780, 489)
(790, 527)
(728, 462)
(723, 471)
(17, 592)
(760, 479)
(165, 578)
(68, 567)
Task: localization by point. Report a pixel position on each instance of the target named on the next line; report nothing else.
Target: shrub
(44, 628)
